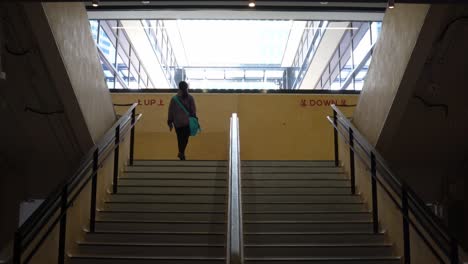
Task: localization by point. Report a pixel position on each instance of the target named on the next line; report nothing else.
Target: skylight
(228, 43)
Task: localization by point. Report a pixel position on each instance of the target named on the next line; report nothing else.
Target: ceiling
(261, 5)
(370, 10)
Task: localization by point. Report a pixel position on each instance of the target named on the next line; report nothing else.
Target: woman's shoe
(181, 156)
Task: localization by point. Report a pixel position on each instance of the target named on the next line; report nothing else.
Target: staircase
(303, 212)
(164, 212)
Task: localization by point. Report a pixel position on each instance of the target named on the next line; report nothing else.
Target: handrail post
(132, 137)
(116, 159)
(92, 213)
(454, 258)
(63, 226)
(17, 248)
(335, 137)
(375, 209)
(406, 231)
(351, 161)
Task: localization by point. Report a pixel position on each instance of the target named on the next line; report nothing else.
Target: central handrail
(413, 210)
(234, 242)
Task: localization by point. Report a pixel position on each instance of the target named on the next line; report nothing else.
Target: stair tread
(307, 212)
(151, 202)
(166, 222)
(323, 245)
(156, 194)
(301, 203)
(113, 256)
(313, 233)
(156, 232)
(169, 185)
(324, 258)
(308, 222)
(177, 178)
(139, 244)
(279, 187)
(158, 211)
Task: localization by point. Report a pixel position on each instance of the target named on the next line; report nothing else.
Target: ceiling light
(95, 3)
(252, 3)
(391, 4)
(145, 2)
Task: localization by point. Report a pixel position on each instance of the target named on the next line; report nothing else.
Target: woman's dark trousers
(183, 134)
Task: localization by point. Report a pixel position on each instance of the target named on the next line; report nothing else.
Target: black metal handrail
(413, 210)
(54, 209)
(234, 235)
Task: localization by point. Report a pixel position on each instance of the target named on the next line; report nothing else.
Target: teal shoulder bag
(193, 122)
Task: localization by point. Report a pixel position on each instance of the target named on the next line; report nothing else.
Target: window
(348, 69)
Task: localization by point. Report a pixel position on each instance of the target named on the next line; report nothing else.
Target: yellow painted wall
(272, 126)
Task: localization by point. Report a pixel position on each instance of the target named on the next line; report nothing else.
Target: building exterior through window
(233, 54)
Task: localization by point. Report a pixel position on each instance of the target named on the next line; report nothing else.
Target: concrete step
(161, 216)
(292, 176)
(156, 226)
(284, 169)
(166, 207)
(214, 163)
(171, 182)
(295, 190)
(295, 183)
(176, 175)
(151, 249)
(305, 207)
(312, 237)
(116, 259)
(318, 250)
(156, 237)
(167, 198)
(328, 260)
(307, 226)
(301, 198)
(173, 190)
(289, 163)
(186, 169)
(307, 216)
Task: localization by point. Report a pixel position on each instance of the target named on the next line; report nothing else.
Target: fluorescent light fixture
(251, 3)
(95, 3)
(145, 2)
(391, 4)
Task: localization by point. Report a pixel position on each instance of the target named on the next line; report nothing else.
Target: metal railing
(414, 212)
(37, 228)
(234, 237)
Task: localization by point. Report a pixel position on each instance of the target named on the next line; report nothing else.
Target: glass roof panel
(233, 42)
